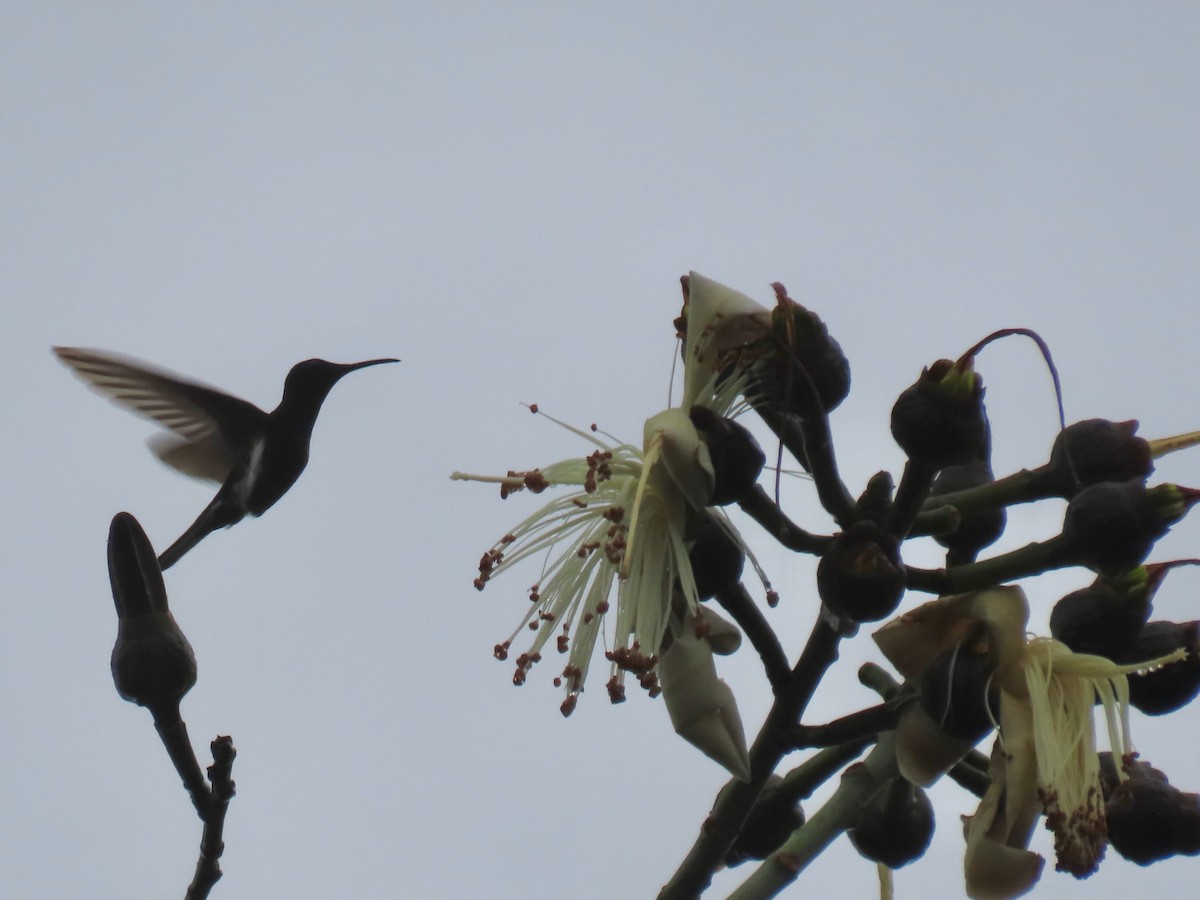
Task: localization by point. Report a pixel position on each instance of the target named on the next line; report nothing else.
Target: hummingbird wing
(210, 430)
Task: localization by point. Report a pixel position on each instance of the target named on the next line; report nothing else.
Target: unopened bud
(1098, 450)
(976, 531)
(1173, 685)
(773, 818)
(940, 420)
(1113, 525)
(1105, 618)
(736, 457)
(958, 694)
(717, 560)
(1149, 819)
(801, 335)
(861, 577)
(152, 661)
(895, 825)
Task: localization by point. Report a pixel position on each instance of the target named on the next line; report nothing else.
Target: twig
(808, 439)
(742, 608)
(1032, 559)
(856, 727)
(212, 844)
(800, 782)
(763, 510)
(914, 488)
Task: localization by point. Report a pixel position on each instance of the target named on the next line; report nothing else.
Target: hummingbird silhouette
(254, 455)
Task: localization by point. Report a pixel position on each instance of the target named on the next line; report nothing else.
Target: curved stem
(759, 506)
(742, 608)
(808, 439)
(914, 488)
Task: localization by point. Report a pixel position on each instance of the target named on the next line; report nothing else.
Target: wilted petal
(722, 635)
(914, 640)
(997, 865)
(682, 453)
(720, 320)
(703, 709)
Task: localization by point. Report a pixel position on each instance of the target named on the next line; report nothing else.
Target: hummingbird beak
(347, 368)
(350, 367)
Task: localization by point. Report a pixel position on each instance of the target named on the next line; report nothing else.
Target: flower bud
(977, 531)
(152, 661)
(1105, 617)
(1113, 525)
(801, 331)
(1174, 685)
(1149, 819)
(895, 825)
(940, 420)
(861, 577)
(736, 457)
(773, 818)
(717, 560)
(957, 693)
(1099, 450)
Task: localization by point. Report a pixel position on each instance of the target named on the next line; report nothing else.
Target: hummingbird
(254, 455)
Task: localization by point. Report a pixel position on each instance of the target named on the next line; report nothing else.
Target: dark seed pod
(1113, 525)
(977, 531)
(895, 825)
(957, 693)
(1106, 617)
(940, 420)
(772, 820)
(717, 561)
(1174, 685)
(861, 577)
(1149, 819)
(1100, 450)
(737, 459)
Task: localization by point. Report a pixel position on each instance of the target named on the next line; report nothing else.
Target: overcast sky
(504, 195)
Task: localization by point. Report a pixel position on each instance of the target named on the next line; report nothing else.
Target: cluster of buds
(649, 548)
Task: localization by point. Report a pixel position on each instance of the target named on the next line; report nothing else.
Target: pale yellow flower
(625, 524)
(1045, 759)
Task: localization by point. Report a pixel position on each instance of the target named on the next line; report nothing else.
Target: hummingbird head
(309, 382)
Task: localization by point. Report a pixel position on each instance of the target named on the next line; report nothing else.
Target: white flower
(625, 523)
(1045, 759)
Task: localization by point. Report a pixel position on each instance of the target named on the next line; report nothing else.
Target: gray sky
(505, 195)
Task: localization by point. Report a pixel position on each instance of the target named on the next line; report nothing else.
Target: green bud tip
(1163, 446)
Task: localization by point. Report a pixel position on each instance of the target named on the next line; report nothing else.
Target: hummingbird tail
(208, 522)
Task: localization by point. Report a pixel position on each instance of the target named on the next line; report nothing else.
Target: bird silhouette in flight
(254, 455)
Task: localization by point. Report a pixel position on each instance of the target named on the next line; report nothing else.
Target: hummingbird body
(256, 456)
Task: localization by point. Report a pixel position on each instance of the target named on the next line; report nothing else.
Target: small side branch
(1032, 559)
(742, 608)
(858, 727)
(212, 843)
(759, 506)
(210, 803)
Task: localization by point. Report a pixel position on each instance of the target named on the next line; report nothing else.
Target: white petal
(683, 455)
(719, 319)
